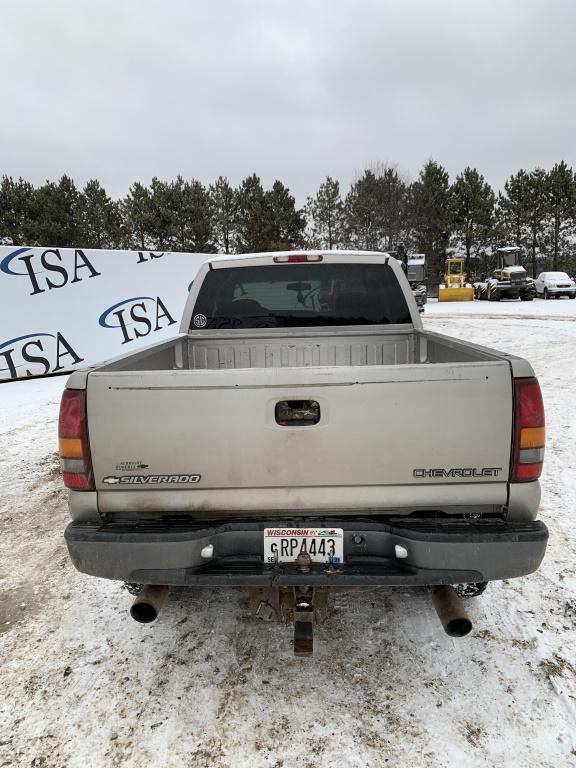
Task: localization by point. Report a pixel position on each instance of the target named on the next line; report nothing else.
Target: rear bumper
(439, 552)
(561, 292)
(514, 291)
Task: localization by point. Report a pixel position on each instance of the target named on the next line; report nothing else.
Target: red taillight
(529, 431)
(297, 258)
(73, 445)
(77, 481)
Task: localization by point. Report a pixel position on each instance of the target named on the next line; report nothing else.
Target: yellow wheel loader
(455, 287)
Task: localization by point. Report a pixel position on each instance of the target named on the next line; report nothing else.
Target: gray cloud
(126, 89)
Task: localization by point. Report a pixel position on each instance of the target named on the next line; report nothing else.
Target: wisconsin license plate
(283, 545)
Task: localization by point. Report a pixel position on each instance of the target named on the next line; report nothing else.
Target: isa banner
(66, 308)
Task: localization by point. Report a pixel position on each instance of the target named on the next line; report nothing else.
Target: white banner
(66, 308)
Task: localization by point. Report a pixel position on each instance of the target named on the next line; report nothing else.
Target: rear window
(299, 295)
(556, 276)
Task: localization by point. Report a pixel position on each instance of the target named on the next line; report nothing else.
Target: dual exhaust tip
(449, 607)
(149, 602)
(451, 611)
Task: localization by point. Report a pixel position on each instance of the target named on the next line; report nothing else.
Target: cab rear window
(298, 296)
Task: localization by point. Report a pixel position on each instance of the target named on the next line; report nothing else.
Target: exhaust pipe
(451, 611)
(149, 602)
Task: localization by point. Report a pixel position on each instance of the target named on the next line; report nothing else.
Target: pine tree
(392, 200)
(57, 220)
(188, 212)
(376, 209)
(560, 201)
(202, 237)
(17, 212)
(99, 218)
(325, 213)
(253, 225)
(536, 206)
(162, 215)
(178, 202)
(223, 199)
(137, 217)
(513, 210)
(286, 223)
(363, 213)
(472, 201)
(430, 214)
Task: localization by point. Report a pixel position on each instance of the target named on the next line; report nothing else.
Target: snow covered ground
(560, 308)
(209, 685)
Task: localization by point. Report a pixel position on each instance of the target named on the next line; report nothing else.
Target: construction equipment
(455, 287)
(416, 274)
(509, 279)
(414, 267)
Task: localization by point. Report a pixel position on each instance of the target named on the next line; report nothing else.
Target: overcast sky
(128, 89)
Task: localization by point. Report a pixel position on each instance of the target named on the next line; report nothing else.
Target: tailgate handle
(297, 413)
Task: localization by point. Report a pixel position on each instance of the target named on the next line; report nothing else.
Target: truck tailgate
(388, 437)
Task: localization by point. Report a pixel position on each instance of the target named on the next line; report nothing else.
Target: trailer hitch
(301, 606)
(303, 626)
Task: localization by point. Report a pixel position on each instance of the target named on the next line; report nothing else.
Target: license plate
(283, 545)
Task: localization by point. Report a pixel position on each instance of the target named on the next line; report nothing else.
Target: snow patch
(210, 685)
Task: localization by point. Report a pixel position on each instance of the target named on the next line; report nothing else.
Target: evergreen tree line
(536, 211)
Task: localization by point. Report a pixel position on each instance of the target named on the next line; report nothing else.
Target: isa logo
(137, 317)
(48, 270)
(36, 354)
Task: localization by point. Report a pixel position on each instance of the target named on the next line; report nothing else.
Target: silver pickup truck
(301, 434)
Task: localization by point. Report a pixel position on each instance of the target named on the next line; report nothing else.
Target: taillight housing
(529, 431)
(73, 445)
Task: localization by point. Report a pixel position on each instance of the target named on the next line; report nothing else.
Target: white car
(554, 285)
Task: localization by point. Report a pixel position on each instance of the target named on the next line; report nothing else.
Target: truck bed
(339, 348)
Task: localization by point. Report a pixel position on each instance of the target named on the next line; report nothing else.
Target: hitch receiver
(302, 607)
(303, 626)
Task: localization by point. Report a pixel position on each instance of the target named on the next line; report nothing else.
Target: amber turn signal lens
(70, 447)
(533, 437)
